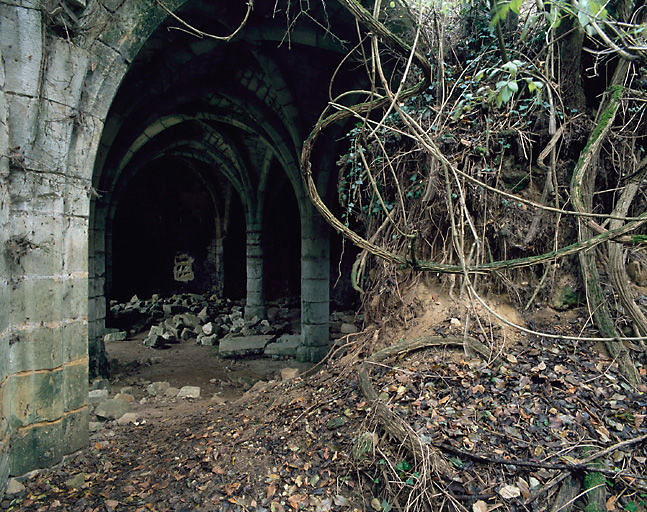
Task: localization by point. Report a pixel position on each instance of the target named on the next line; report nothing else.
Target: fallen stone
(100, 383)
(217, 399)
(347, 328)
(189, 392)
(125, 397)
(171, 392)
(127, 390)
(191, 320)
(157, 388)
(76, 482)
(208, 328)
(244, 345)
(94, 426)
(187, 334)
(203, 315)
(14, 487)
(285, 346)
(155, 341)
(209, 340)
(129, 417)
(112, 409)
(156, 330)
(114, 336)
(454, 322)
(289, 373)
(97, 395)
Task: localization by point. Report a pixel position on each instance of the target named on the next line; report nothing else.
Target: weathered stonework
(86, 102)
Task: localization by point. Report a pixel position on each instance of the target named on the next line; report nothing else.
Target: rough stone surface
(285, 346)
(347, 328)
(14, 487)
(112, 409)
(129, 417)
(189, 392)
(289, 373)
(157, 388)
(243, 345)
(97, 395)
(125, 397)
(115, 336)
(171, 392)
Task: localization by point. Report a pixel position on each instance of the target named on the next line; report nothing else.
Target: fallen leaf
(508, 492)
(479, 506)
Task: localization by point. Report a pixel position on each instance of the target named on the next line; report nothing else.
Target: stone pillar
(43, 256)
(315, 286)
(216, 262)
(255, 304)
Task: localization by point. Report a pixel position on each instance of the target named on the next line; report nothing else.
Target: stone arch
(54, 107)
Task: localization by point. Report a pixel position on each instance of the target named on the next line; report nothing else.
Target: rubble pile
(208, 320)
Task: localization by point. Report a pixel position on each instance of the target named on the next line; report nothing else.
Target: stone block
(112, 409)
(189, 392)
(315, 312)
(36, 301)
(66, 69)
(37, 446)
(38, 348)
(311, 354)
(75, 297)
(315, 335)
(75, 341)
(285, 346)
(115, 336)
(75, 386)
(75, 430)
(21, 41)
(75, 246)
(32, 398)
(96, 396)
(243, 345)
(315, 290)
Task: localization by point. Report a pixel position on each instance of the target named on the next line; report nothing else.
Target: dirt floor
(503, 430)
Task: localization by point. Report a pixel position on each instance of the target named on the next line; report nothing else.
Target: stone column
(44, 224)
(255, 304)
(315, 286)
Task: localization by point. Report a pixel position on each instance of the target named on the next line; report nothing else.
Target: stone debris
(129, 417)
(95, 426)
(125, 397)
(157, 388)
(285, 346)
(244, 345)
(112, 409)
(189, 392)
(76, 482)
(97, 395)
(171, 392)
(209, 321)
(14, 487)
(289, 373)
(115, 336)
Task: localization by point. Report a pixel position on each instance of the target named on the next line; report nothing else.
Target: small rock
(208, 328)
(125, 397)
(95, 426)
(14, 487)
(203, 315)
(347, 328)
(112, 409)
(209, 340)
(455, 322)
(76, 482)
(189, 392)
(100, 383)
(127, 390)
(97, 395)
(289, 373)
(243, 346)
(187, 334)
(157, 388)
(114, 336)
(218, 399)
(129, 417)
(155, 341)
(171, 392)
